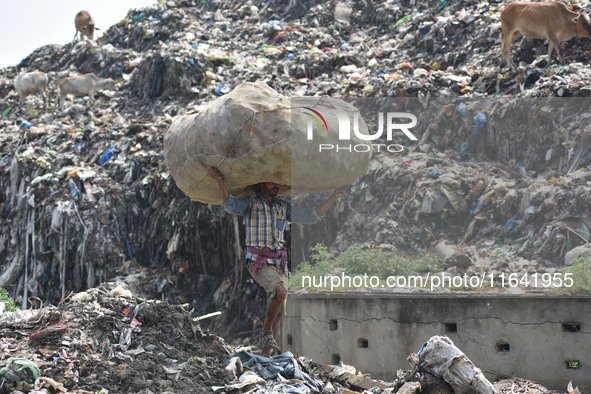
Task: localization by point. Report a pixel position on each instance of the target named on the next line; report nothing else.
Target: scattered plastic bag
(19, 369)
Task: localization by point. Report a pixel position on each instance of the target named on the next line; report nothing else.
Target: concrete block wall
(546, 339)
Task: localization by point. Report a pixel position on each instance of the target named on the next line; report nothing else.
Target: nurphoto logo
(344, 130)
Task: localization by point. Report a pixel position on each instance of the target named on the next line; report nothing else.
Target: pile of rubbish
(86, 196)
(108, 340)
(507, 199)
(501, 217)
(439, 367)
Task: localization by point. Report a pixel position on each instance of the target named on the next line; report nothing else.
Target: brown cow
(84, 25)
(551, 20)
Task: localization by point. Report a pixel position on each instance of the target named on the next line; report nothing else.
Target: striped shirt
(265, 223)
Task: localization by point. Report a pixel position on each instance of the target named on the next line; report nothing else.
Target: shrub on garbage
(7, 300)
(581, 270)
(359, 260)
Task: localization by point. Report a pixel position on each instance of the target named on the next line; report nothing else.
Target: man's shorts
(269, 277)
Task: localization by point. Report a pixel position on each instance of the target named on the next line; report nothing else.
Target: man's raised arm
(235, 206)
(215, 174)
(338, 193)
(296, 214)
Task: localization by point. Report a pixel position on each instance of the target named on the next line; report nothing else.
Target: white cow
(83, 85)
(32, 83)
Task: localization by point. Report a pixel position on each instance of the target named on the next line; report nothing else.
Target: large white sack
(253, 134)
(443, 359)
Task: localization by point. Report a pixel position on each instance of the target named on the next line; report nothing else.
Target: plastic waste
(479, 121)
(222, 88)
(47, 331)
(74, 190)
(402, 20)
(436, 173)
(20, 369)
(511, 222)
(138, 16)
(284, 364)
(234, 368)
(443, 359)
(579, 251)
(120, 291)
(19, 317)
(462, 108)
(158, 83)
(107, 155)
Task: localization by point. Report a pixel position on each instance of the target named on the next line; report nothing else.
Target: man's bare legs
(273, 316)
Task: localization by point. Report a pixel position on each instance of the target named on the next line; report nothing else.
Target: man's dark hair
(256, 188)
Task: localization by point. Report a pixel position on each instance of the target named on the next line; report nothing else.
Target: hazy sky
(26, 25)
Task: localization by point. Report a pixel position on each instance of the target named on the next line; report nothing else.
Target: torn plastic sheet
(27, 317)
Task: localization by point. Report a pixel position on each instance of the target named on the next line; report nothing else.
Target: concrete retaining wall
(540, 338)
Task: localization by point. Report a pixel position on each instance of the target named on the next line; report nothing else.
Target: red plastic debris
(47, 331)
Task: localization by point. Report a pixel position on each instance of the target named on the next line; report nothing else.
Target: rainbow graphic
(318, 118)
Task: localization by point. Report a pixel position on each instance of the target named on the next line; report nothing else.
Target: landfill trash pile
(106, 340)
(509, 200)
(85, 194)
(438, 368)
(505, 221)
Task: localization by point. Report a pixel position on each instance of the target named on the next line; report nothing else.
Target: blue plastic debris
(222, 88)
(436, 173)
(75, 191)
(511, 222)
(479, 122)
(462, 107)
(107, 155)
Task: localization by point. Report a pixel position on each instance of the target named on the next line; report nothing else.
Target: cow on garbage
(83, 85)
(32, 83)
(84, 25)
(551, 20)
